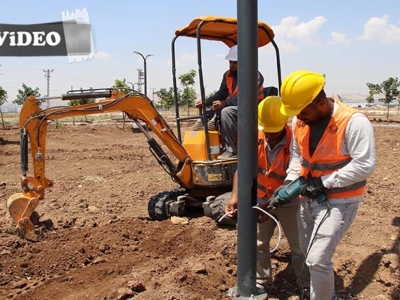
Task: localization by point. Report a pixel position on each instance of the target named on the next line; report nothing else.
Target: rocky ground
(96, 241)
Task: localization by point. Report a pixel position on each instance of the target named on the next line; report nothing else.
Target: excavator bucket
(21, 206)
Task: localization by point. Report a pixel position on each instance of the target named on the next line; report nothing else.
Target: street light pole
(145, 69)
(132, 84)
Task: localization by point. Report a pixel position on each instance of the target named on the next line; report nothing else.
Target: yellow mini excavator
(200, 176)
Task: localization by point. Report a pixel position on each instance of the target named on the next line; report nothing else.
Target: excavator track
(158, 204)
(218, 210)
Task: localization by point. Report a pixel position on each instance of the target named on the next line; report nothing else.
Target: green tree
(122, 86)
(189, 93)
(3, 99)
(167, 97)
(388, 88)
(25, 92)
(370, 99)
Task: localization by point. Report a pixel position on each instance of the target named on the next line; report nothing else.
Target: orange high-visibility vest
(328, 157)
(270, 177)
(233, 92)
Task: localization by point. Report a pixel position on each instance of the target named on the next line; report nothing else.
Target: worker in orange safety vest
(274, 151)
(334, 154)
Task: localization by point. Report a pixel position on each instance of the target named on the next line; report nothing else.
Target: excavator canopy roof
(223, 29)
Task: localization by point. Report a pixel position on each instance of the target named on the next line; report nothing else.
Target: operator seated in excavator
(223, 115)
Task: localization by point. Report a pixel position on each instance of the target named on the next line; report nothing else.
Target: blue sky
(352, 42)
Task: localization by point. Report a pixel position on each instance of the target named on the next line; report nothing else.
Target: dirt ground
(96, 240)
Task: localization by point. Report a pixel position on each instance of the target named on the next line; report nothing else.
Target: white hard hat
(232, 55)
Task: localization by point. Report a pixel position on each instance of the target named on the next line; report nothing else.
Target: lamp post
(145, 70)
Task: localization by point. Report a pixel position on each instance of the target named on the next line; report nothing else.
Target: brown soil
(96, 241)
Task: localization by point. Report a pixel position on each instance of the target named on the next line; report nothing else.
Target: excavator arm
(33, 130)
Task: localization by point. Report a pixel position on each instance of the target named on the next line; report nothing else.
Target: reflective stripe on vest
(328, 157)
(324, 167)
(268, 180)
(234, 92)
(347, 191)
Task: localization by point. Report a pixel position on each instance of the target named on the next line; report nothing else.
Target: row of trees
(185, 97)
(387, 91)
(20, 98)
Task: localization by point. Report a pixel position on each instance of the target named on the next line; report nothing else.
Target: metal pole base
(235, 295)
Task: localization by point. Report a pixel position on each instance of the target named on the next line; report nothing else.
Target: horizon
(14, 108)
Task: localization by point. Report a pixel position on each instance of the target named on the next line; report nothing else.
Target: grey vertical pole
(247, 141)
(145, 76)
(145, 69)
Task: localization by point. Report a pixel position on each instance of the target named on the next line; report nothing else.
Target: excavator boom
(33, 127)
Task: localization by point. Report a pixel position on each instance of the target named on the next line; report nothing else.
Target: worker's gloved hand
(276, 202)
(277, 190)
(262, 216)
(313, 188)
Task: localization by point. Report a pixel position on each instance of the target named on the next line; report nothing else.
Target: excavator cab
(221, 29)
(191, 162)
(204, 146)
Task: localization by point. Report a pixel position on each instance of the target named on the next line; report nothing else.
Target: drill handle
(292, 190)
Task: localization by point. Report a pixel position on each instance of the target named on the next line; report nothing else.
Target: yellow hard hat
(270, 119)
(299, 89)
